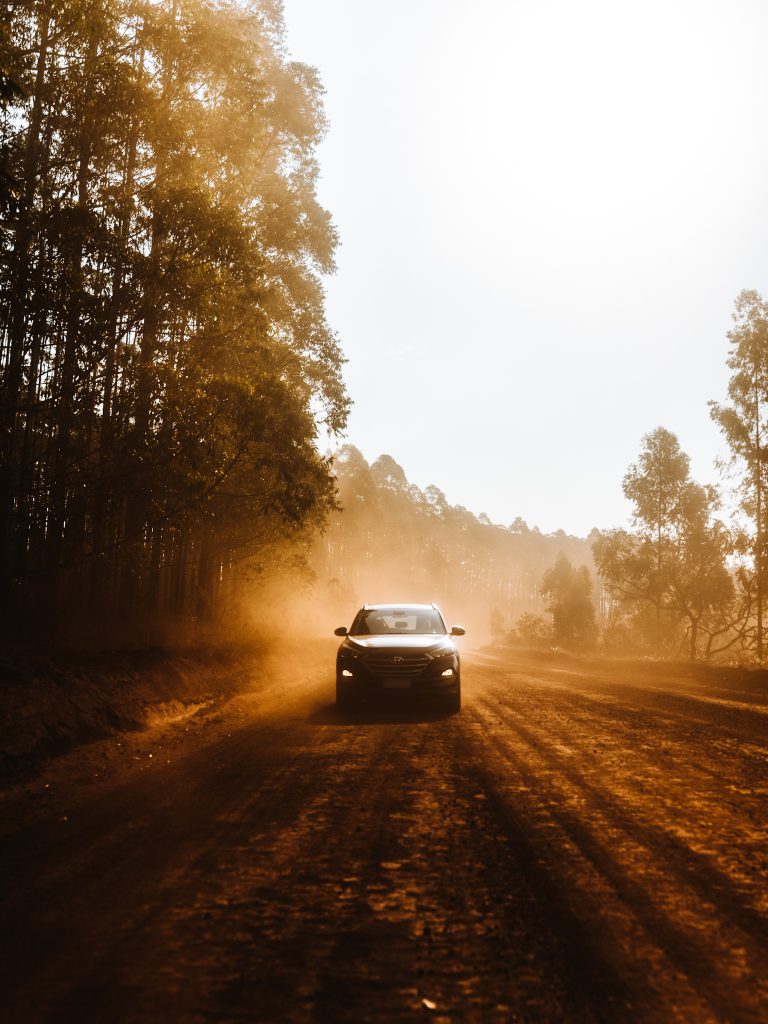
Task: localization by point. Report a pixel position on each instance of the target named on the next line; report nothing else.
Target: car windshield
(394, 620)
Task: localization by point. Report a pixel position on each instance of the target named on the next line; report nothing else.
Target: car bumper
(364, 686)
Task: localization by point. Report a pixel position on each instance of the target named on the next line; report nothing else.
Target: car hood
(388, 642)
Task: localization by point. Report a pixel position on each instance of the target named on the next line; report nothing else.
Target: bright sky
(546, 209)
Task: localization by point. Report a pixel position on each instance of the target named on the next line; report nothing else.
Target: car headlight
(346, 672)
(447, 672)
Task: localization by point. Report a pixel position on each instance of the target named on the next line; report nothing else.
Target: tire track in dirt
(591, 820)
(533, 859)
(678, 698)
(733, 899)
(726, 776)
(665, 774)
(378, 859)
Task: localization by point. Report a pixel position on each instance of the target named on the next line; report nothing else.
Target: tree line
(165, 357)
(166, 364)
(683, 580)
(393, 541)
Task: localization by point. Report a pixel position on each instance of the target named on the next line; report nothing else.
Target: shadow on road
(382, 713)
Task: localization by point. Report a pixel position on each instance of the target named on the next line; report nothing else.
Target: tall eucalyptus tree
(744, 424)
(164, 349)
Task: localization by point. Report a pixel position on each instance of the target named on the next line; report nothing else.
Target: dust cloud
(389, 541)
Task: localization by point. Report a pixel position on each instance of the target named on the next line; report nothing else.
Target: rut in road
(563, 850)
(646, 833)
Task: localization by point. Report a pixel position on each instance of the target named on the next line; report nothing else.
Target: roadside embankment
(51, 704)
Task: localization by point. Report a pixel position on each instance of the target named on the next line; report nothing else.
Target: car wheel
(454, 701)
(344, 699)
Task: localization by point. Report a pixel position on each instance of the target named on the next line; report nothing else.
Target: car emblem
(396, 661)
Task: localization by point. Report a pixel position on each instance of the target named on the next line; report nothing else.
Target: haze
(546, 211)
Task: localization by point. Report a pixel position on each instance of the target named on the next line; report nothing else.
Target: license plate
(397, 684)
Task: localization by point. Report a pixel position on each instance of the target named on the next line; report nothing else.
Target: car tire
(453, 704)
(344, 699)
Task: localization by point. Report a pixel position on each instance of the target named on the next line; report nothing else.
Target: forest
(166, 359)
(168, 371)
(688, 579)
(390, 534)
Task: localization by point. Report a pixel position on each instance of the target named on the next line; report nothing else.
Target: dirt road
(574, 846)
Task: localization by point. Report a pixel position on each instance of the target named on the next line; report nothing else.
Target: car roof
(391, 604)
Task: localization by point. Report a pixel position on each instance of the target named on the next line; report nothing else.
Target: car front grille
(396, 664)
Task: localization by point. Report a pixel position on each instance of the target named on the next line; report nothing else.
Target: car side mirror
(458, 631)
(341, 631)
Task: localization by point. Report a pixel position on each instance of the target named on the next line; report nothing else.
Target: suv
(398, 647)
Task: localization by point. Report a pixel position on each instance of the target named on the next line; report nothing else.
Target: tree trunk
(759, 555)
(17, 319)
(66, 514)
(694, 639)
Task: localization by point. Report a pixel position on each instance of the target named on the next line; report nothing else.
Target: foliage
(570, 594)
(532, 631)
(671, 574)
(10, 91)
(164, 351)
(744, 424)
(393, 541)
(496, 622)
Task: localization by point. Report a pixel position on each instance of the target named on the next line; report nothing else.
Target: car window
(398, 621)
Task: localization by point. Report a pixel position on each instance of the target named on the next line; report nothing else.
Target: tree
(532, 631)
(387, 473)
(391, 538)
(674, 564)
(165, 358)
(570, 594)
(655, 485)
(10, 91)
(744, 424)
(498, 629)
